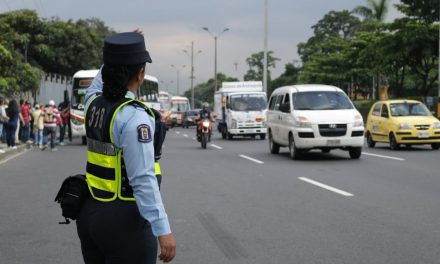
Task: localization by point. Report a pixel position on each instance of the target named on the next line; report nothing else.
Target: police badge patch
(144, 133)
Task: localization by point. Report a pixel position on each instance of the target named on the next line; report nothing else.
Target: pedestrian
(38, 125)
(3, 120)
(51, 117)
(124, 216)
(15, 117)
(25, 110)
(64, 109)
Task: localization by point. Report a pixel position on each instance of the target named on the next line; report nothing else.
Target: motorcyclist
(205, 113)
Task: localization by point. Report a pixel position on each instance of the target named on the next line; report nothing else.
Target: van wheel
(435, 146)
(293, 151)
(262, 136)
(84, 140)
(273, 147)
(393, 142)
(370, 141)
(355, 153)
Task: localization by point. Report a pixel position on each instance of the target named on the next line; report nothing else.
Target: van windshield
(248, 102)
(327, 100)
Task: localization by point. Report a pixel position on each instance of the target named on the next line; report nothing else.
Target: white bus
(179, 105)
(148, 93)
(81, 81)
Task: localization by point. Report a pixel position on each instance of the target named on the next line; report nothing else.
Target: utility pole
(192, 71)
(178, 76)
(215, 53)
(265, 45)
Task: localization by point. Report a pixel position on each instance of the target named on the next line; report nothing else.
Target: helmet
(52, 103)
(205, 105)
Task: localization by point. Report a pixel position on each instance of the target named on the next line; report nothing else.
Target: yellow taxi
(399, 122)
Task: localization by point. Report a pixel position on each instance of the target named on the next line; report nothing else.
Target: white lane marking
(251, 159)
(383, 156)
(194, 138)
(13, 156)
(185, 135)
(178, 132)
(341, 192)
(215, 146)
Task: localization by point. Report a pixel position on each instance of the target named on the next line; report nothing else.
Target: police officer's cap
(125, 49)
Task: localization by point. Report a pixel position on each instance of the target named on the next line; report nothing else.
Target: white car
(305, 117)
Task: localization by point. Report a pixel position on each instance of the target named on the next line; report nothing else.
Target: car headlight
(358, 122)
(234, 124)
(404, 126)
(303, 122)
(436, 125)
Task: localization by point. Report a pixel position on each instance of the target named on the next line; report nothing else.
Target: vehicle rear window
(327, 100)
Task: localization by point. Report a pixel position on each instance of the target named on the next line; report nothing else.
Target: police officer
(124, 216)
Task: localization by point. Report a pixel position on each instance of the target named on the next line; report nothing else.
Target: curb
(9, 153)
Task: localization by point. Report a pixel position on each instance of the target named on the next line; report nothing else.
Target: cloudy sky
(171, 25)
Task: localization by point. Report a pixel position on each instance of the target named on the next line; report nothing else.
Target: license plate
(333, 142)
(423, 134)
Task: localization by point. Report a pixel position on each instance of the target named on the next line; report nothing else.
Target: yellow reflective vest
(105, 172)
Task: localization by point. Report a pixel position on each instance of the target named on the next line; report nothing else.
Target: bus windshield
(248, 102)
(180, 106)
(79, 91)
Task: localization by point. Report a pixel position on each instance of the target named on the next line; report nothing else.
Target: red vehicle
(204, 130)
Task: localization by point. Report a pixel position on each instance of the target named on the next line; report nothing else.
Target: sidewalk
(10, 152)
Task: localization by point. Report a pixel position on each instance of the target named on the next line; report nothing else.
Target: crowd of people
(22, 123)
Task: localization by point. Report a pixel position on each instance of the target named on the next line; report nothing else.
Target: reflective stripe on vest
(157, 168)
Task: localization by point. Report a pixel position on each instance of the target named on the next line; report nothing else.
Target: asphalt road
(236, 203)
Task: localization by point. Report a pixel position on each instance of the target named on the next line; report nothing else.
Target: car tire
(355, 152)
(262, 136)
(435, 146)
(393, 142)
(84, 140)
(294, 153)
(370, 142)
(273, 147)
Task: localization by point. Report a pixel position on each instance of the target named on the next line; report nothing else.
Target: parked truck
(240, 109)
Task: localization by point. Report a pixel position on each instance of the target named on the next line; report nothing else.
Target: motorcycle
(204, 131)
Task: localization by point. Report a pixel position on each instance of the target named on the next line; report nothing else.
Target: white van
(305, 117)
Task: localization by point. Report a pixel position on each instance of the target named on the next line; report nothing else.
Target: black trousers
(115, 233)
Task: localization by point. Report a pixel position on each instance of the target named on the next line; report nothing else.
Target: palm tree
(375, 10)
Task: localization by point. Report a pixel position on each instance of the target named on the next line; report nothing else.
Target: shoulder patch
(144, 133)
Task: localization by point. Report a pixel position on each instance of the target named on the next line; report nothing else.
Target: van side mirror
(285, 108)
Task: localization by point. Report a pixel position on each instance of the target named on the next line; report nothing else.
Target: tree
(289, 77)
(204, 92)
(256, 66)
(336, 24)
(376, 10)
(333, 25)
(425, 11)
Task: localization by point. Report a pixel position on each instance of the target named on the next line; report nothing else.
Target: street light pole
(178, 76)
(215, 53)
(192, 71)
(265, 45)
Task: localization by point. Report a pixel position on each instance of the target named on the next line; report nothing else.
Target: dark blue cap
(125, 49)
